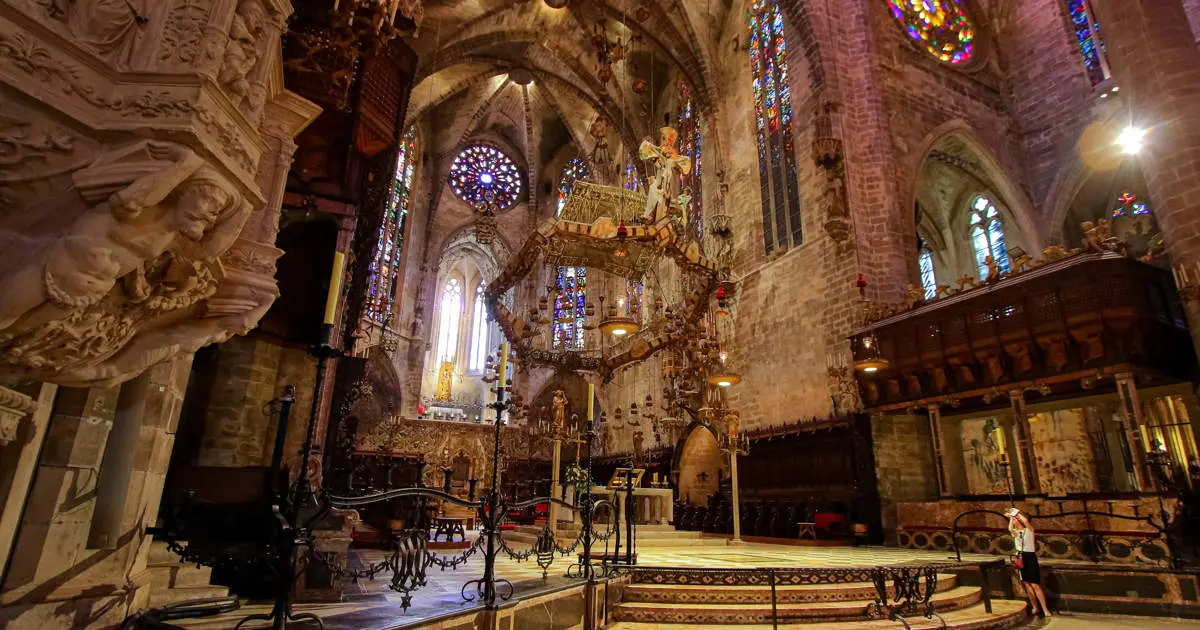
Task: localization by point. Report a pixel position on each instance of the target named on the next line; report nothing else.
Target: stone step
(812, 612)
(1005, 614)
(165, 596)
(789, 594)
(178, 576)
(159, 555)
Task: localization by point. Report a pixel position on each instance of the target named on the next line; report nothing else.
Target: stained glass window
(689, 145)
(987, 236)
(632, 181)
(928, 279)
(773, 115)
(479, 332)
(634, 291)
(574, 170)
(941, 26)
(452, 297)
(482, 174)
(570, 298)
(382, 274)
(1091, 47)
(1128, 204)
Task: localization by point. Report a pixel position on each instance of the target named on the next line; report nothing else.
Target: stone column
(1026, 458)
(1131, 424)
(1154, 58)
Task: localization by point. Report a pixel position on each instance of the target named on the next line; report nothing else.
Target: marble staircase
(811, 606)
(173, 581)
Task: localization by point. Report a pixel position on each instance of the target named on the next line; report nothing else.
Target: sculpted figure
(670, 164)
(242, 51)
(145, 198)
(109, 27)
(560, 410)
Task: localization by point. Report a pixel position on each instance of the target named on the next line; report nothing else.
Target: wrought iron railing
(289, 551)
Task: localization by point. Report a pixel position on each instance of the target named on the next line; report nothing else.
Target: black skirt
(1031, 572)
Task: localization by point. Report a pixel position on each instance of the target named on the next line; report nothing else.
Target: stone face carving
(137, 220)
(243, 50)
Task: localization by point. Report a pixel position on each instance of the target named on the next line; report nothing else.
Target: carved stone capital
(13, 406)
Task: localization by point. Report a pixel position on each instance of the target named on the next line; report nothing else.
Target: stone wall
(250, 372)
(903, 464)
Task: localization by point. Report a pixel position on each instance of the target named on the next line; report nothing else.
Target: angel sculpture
(671, 164)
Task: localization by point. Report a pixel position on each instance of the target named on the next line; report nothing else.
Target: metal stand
(485, 587)
(293, 535)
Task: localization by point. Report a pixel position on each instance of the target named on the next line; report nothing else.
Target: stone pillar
(117, 464)
(57, 576)
(1153, 54)
(939, 448)
(50, 563)
(1131, 424)
(1026, 458)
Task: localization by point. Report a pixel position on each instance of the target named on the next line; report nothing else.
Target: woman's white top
(1023, 539)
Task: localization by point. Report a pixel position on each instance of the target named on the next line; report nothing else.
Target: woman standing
(1026, 560)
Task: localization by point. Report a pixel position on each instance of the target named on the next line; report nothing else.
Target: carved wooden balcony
(1058, 329)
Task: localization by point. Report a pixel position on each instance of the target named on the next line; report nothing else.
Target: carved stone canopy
(150, 143)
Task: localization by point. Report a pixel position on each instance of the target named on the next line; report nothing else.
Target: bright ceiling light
(1131, 140)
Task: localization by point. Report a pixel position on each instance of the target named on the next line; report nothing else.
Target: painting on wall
(981, 456)
(1064, 456)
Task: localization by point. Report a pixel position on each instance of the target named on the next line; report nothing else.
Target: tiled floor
(1115, 622)
(376, 606)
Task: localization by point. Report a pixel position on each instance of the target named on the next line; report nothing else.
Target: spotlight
(1131, 140)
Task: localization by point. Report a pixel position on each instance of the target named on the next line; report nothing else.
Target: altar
(652, 506)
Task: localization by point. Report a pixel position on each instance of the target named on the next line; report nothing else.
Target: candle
(1000, 440)
(503, 373)
(335, 287)
(1175, 273)
(591, 398)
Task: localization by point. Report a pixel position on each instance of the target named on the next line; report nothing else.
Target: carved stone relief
(129, 188)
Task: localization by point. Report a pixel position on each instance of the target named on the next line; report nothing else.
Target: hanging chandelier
(376, 22)
(870, 360)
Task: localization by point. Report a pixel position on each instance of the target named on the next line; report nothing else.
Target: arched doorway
(701, 466)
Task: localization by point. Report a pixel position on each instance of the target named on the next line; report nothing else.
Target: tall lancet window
(773, 115)
(928, 279)
(452, 304)
(689, 145)
(570, 299)
(1091, 47)
(479, 332)
(382, 275)
(987, 236)
(571, 282)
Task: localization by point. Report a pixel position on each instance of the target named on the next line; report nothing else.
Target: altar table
(652, 506)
